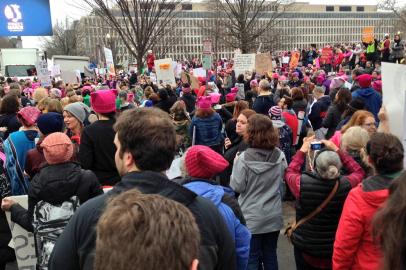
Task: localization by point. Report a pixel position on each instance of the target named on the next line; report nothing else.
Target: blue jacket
(208, 130)
(239, 232)
(372, 99)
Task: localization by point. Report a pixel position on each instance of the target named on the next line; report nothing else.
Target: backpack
(49, 222)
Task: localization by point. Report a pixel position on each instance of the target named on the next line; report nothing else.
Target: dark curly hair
(386, 153)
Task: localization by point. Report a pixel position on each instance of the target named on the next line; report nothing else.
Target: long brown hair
(261, 133)
(239, 107)
(389, 226)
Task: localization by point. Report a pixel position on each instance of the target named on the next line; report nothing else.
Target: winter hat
(282, 78)
(58, 148)
(364, 80)
(275, 76)
(275, 112)
(253, 83)
(56, 92)
(29, 115)
(50, 122)
(104, 101)
(234, 90)
(320, 79)
(28, 90)
(149, 103)
(204, 103)
(77, 110)
(230, 97)
(203, 162)
(215, 97)
(377, 86)
(337, 82)
(357, 104)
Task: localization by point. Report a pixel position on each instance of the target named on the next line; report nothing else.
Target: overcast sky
(60, 9)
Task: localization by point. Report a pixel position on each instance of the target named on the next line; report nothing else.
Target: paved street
(285, 249)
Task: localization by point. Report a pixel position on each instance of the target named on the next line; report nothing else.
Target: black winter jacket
(55, 184)
(75, 247)
(331, 121)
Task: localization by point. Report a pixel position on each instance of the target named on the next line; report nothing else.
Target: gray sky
(60, 9)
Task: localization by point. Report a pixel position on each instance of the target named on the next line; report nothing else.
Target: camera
(316, 145)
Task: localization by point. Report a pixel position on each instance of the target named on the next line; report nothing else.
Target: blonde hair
(39, 94)
(356, 139)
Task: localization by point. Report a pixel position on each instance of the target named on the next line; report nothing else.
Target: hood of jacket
(149, 182)
(207, 190)
(259, 161)
(56, 183)
(366, 92)
(376, 189)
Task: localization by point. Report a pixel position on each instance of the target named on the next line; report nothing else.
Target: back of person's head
(342, 99)
(39, 94)
(297, 93)
(28, 116)
(149, 136)
(123, 95)
(389, 226)
(54, 105)
(319, 91)
(261, 133)
(57, 147)
(154, 233)
(239, 107)
(354, 139)
(357, 119)
(327, 164)
(288, 102)
(385, 153)
(50, 122)
(9, 104)
(264, 85)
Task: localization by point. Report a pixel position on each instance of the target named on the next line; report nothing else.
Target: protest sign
(207, 46)
(164, 71)
(368, 34)
(56, 70)
(244, 63)
(294, 59)
(394, 98)
(206, 61)
(108, 54)
(263, 63)
(199, 72)
(43, 73)
(285, 60)
(22, 241)
(191, 80)
(326, 55)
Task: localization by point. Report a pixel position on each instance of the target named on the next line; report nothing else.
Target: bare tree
(398, 9)
(139, 23)
(65, 41)
(244, 24)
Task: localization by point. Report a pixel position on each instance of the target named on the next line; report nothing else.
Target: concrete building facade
(298, 27)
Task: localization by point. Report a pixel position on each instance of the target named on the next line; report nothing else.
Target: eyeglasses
(370, 124)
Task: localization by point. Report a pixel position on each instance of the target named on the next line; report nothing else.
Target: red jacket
(338, 59)
(354, 247)
(292, 121)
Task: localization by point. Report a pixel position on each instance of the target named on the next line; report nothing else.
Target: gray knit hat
(77, 110)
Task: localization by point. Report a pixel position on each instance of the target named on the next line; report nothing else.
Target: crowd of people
(94, 160)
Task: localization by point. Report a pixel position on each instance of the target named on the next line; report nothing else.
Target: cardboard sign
(191, 80)
(263, 63)
(326, 55)
(207, 61)
(394, 98)
(199, 72)
(108, 54)
(244, 63)
(22, 241)
(294, 59)
(164, 71)
(207, 46)
(368, 34)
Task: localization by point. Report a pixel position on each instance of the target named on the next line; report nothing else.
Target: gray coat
(398, 51)
(257, 175)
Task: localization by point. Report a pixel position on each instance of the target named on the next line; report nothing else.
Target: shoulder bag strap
(319, 208)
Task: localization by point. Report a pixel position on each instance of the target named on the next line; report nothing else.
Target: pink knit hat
(230, 97)
(253, 83)
(203, 162)
(57, 147)
(204, 102)
(215, 98)
(104, 101)
(377, 86)
(337, 82)
(29, 114)
(234, 90)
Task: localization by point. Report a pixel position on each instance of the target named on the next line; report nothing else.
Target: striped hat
(275, 112)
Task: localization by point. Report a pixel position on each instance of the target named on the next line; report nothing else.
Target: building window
(345, 8)
(187, 7)
(360, 9)
(329, 8)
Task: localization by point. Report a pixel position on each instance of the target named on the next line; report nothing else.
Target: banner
(244, 63)
(368, 34)
(25, 18)
(108, 54)
(294, 59)
(164, 71)
(22, 241)
(394, 98)
(263, 63)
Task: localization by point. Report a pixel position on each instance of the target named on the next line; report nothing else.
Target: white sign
(207, 46)
(70, 77)
(394, 98)
(22, 241)
(244, 63)
(164, 71)
(207, 61)
(199, 72)
(43, 73)
(56, 70)
(108, 54)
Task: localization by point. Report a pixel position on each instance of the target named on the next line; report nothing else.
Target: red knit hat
(104, 101)
(203, 162)
(29, 114)
(364, 80)
(57, 147)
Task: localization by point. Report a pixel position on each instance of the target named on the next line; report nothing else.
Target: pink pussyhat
(234, 90)
(204, 102)
(215, 97)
